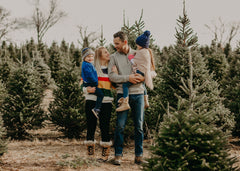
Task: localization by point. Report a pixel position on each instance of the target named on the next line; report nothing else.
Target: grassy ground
(54, 153)
(49, 151)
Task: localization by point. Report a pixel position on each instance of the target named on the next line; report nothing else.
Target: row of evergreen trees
(197, 86)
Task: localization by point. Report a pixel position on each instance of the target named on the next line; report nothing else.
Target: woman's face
(105, 55)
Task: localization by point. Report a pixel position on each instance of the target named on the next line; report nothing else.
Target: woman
(101, 60)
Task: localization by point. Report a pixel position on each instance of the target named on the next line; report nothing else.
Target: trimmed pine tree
(3, 143)
(168, 81)
(231, 87)
(67, 110)
(56, 60)
(21, 108)
(188, 138)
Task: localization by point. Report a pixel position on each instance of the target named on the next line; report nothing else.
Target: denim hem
(139, 155)
(119, 155)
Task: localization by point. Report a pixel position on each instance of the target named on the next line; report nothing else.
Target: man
(136, 97)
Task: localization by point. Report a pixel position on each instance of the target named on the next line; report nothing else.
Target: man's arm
(114, 77)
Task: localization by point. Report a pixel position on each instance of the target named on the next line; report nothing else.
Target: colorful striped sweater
(105, 85)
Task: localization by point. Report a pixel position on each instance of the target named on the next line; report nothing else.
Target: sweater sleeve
(116, 78)
(90, 73)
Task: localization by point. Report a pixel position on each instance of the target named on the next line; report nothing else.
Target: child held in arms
(90, 78)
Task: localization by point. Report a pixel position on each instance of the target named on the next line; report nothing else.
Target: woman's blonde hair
(97, 59)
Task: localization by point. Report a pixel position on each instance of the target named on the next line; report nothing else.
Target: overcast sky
(159, 16)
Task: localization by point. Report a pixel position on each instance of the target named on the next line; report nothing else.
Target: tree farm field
(49, 150)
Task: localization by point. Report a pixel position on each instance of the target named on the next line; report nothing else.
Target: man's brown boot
(139, 160)
(117, 160)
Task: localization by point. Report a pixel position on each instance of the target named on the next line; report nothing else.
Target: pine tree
(188, 138)
(67, 110)
(217, 62)
(231, 87)
(168, 81)
(75, 54)
(43, 70)
(21, 108)
(102, 40)
(56, 60)
(3, 143)
(5, 67)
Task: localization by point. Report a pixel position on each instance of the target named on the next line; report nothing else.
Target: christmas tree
(231, 87)
(3, 145)
(168, 81)
(56, 60)
(21, 108)
(189, 137)
(67, 110)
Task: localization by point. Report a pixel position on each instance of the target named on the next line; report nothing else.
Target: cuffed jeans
(136, 102)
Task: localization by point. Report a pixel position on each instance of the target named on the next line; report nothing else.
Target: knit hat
(143, 40)
(86, 52)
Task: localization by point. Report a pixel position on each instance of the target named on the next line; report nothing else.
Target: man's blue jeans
(136, 102)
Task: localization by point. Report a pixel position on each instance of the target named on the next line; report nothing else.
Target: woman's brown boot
(90, 147)
(105, 150)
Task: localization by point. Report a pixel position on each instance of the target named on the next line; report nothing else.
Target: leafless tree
(86, 38)
(223, 33)
(6, 23)
(42, 20)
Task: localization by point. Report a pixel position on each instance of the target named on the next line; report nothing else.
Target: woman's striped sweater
(105, 85)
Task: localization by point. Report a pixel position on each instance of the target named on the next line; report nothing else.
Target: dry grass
(60, 154)
(50, 152)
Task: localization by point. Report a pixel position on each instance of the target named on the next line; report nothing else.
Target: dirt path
(61, 154)
(48, 152)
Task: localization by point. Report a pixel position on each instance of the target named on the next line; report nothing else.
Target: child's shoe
(124, 105)
(146, 103)
(96, 112)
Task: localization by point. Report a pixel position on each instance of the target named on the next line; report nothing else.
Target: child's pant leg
(125, 87)
(100, 96)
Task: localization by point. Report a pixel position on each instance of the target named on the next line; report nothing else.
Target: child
(143, 63)
(90, 78)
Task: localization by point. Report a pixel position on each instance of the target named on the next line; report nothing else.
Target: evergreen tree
(67, 110)
(21, 108)
(231, 87)
(168, 81)
(102, 40)
(5, 68)
(3, 143)
(43, 50)
(217, 62)
(56, 60)
(75, 54)
(189, 138)
(43, 70)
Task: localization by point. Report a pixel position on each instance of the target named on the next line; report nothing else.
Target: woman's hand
(91, 89)
(114, 69)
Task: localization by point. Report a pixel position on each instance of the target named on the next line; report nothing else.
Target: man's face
(118, 44)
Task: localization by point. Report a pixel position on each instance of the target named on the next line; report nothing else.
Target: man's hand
(91, 89)
(114, 69)
(136, 78)
(140, 78)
